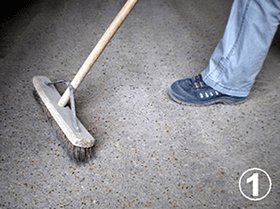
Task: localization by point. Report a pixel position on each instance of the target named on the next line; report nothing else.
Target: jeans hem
(223, 89)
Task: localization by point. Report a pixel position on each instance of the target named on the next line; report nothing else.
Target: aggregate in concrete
(150, 151)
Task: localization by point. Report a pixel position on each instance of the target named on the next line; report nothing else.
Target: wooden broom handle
(98, 49)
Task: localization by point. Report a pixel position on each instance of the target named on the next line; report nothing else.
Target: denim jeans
(240, 54)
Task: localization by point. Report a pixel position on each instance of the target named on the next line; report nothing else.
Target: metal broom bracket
(72, 100)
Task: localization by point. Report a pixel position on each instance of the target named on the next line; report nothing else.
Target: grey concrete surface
(150, 151)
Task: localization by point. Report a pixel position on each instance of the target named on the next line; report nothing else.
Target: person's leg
(237, 59)
(240, 54)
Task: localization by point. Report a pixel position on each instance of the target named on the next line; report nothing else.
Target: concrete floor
(150, 151)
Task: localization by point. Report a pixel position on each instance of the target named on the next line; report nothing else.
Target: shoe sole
(219, 101)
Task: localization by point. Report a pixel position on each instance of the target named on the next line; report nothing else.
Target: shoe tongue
(196, 78)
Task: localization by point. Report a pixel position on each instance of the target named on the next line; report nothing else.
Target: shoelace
(208, 94)
(199, 84)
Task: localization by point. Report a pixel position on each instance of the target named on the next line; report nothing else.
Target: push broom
(81, 141)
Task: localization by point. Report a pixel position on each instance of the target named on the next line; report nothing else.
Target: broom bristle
(78, 154)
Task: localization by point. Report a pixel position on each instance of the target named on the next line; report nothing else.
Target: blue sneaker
(193, 91)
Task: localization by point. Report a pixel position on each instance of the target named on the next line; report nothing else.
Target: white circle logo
(255, 184)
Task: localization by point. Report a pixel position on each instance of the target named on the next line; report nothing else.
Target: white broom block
(62, 115)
